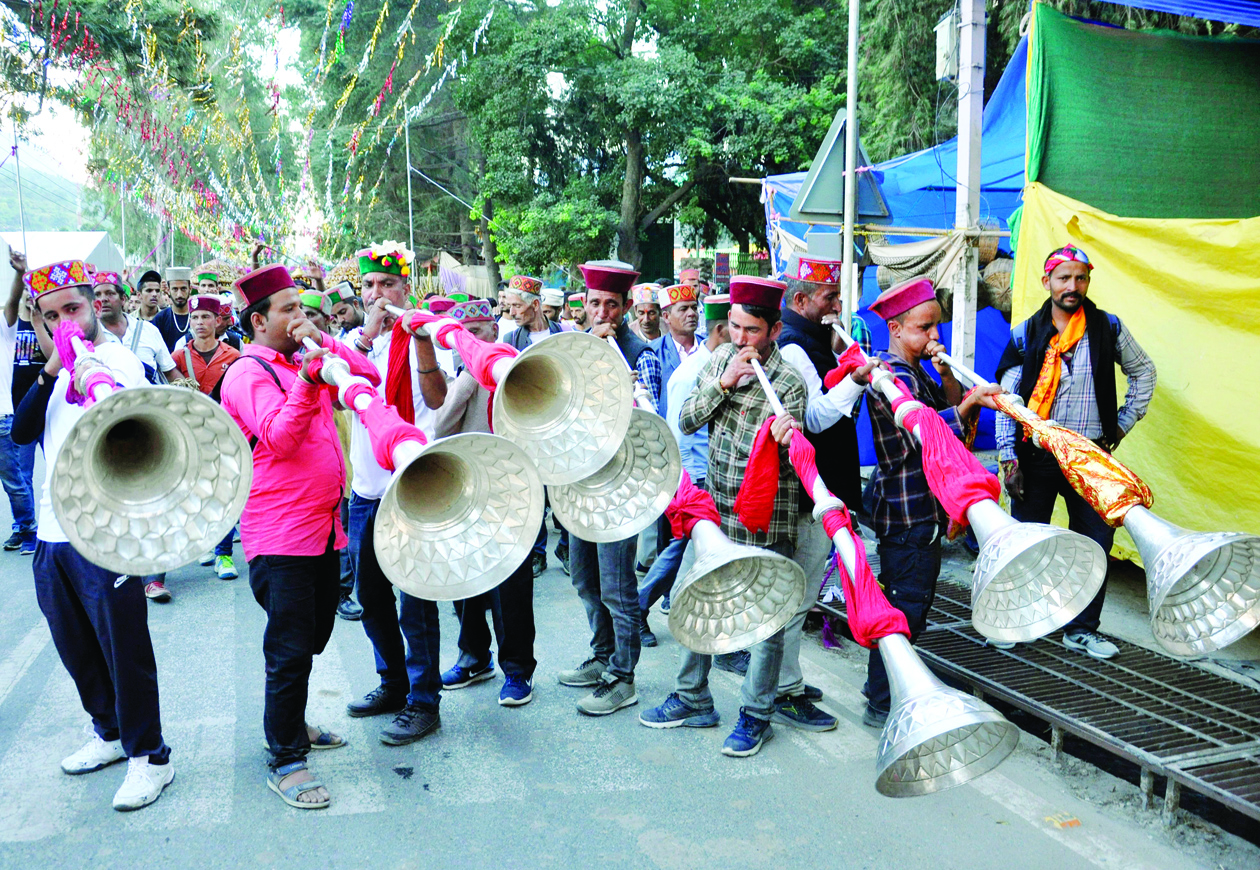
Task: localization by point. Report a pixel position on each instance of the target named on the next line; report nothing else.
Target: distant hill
(50, 203)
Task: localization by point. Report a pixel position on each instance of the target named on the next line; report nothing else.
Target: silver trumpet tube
(1030, 578)
(1202, 588)
(459, 515)
(150, 477)
(633, 488)
(564, 401)
(935, 737)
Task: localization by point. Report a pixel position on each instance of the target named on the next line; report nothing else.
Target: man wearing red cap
(523, 298)
(729, 399)
(603, 574)
(908, 519)
(291, 526)
(97, 619)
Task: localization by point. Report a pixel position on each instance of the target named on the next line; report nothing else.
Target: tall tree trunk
(489, 250)
(631, 193)
(467, 237)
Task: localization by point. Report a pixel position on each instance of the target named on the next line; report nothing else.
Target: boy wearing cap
(173, 322)
(291, 527)
(908, 519)
(98, 619)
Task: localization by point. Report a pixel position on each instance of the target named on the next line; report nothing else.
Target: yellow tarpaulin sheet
(1189, 291)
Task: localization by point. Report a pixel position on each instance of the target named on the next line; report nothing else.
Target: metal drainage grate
(1198, 729)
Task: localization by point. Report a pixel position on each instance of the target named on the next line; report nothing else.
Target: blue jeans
(388, 622)
(909, 564)
(511, 606)
(661, 576)
(603, 575)
(17, 463)
(224, 547)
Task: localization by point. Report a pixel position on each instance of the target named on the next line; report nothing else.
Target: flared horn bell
(632, 489)
(150, 478)
(734, 596)
(1203, 587)
(935, 737)
(566, 401)
(458, 518)
(1030, 578)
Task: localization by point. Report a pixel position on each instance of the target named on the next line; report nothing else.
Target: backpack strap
(217, 392)
(1018, 331)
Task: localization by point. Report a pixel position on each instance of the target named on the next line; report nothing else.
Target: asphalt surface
(535, 786)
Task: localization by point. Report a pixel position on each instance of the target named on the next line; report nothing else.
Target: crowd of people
(308, 524)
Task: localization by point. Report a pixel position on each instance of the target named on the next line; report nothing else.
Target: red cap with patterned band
(762, 292)
(814, 269)
(525, 284)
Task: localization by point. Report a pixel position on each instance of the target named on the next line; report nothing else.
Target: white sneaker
(1091, 643)
(94, 755)
(206, 560)
(144, 783)
(999, 644)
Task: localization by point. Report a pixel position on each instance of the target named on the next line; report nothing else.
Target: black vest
(836, 448)
(631, 346)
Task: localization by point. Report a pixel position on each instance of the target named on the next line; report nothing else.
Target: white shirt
(694, 447)
(150, 347)
(62, 416)
(535, 337)
(8, 346)
(370, 479)
(822, 410)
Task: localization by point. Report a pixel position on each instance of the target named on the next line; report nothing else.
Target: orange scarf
(1047, 386)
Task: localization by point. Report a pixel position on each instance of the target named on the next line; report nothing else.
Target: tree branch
(669, 202)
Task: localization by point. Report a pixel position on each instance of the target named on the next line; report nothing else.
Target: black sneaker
(348, 608)
(646, 637)
(562, 553)
(538, 563)
(377, 702)
(410, 725)
(811, 693)
(14, 542)
(735, 663)
(873, 718)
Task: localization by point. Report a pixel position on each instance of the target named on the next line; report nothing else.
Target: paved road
(537, 786)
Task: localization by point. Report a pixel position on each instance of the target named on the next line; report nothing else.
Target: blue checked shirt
(649, 369)
(1075, 405)
(902, 496)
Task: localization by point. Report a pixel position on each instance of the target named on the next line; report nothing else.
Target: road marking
(18, 662)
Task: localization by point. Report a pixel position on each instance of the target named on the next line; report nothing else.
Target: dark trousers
(603, 575)
(511, 606)
(99, 624)
(388, 621)
(299, 594)
(1043, 483)
(347, 563)
(909, 563)
(224, 547)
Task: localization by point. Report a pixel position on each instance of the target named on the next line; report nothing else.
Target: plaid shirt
(649, 368)
(1075, 406)
(902, 496)
(733, 423)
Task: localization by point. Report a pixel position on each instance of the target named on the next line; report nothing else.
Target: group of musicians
(1061, 360)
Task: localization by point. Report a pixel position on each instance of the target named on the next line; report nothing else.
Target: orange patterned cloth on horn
(1042, 399)
(1110, 487)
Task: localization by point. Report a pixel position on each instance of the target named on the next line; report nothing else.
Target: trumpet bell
(567, 402)
(632, 489)
(1203, 587)
(150, 478)
(936, 737)
(1030, 578)
(459, 518)
(734, 596)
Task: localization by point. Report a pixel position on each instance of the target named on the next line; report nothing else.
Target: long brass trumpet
(150, 477)
(1203, 588)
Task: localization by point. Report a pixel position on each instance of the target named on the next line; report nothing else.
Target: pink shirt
(299, 471)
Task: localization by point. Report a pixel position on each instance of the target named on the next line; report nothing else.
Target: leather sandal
(290, 795)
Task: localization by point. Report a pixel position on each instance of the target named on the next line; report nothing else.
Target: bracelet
(428, 371)
(358, 343)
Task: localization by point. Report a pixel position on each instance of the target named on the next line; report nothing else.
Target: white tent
(44, 248)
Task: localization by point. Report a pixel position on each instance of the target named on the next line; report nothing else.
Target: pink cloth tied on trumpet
(479, 356)
(870, 615)
(386, 428)
(63, 336)
(690, 505)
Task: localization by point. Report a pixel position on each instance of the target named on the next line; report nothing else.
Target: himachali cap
(225, 303)
(762, 292)
(717, 306)
(205, 302)
(178, 273)
(458, 296)
(441, 304)
(900, 298)
(472, 311)
(526, 287)
(677, 293)
(577, 300)
(645, 294)
(689, 275)
(101, 278)
(263, 282)
(340, 293)
(553, 297)
(57, 276)
(210, 271)
(609, 276)
(318, 301)
(391, 258)
(816, 270)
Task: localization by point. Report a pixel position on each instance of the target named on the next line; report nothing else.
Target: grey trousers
(603, 575)
(812, 548)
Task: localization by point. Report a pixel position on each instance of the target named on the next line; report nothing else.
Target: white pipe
(850, 165)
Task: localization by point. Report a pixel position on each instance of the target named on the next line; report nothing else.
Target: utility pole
(848, 293)
(967, 202)
(17, 166)
(411, 219)
(123, 202)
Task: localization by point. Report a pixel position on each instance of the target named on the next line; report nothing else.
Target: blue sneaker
(459, 676)
(799, 712)
(517, 690)
(675, 712)
(749, 734)
(665, 604)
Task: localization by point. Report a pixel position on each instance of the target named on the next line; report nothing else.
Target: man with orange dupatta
(1062, 361)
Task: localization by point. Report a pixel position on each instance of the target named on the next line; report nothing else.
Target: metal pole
(967, 203)
(848, 294)
(411, 219)
(17, 167)
(124, 227)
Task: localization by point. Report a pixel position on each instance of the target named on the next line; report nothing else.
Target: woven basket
(987, 244)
